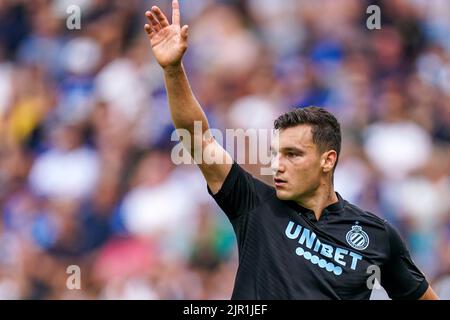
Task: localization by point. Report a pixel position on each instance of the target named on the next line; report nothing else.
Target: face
(298, 166)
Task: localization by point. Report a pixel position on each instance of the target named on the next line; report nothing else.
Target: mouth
(279, 182)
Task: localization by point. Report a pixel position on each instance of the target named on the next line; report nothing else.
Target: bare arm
(429, 295)
(169, 43)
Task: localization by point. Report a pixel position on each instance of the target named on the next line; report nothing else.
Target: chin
(283, 195)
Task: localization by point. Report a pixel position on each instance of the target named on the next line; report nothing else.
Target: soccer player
(299, 240)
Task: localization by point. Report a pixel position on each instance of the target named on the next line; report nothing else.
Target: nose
(277, 164)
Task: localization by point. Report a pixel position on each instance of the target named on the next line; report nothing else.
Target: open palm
(168, 41)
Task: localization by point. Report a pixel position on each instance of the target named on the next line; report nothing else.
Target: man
(299, 240)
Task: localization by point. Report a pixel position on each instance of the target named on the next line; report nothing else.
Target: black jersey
(285, 253)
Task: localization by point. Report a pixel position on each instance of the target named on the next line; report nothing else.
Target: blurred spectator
(69, 170)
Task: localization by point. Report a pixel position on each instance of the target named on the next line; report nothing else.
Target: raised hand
(168, 41)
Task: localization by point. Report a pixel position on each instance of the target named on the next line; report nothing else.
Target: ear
(327, 161)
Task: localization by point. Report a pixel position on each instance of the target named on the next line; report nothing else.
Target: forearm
(184, 107)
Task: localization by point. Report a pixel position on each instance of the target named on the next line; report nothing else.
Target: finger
(149, 30)
(175, 13)
(154, 23)
(160, 16)
(148, 14)
(184, 32)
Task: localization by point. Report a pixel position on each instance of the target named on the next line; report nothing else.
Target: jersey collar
(332, 208)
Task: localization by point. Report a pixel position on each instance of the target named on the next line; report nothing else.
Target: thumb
(184, 32)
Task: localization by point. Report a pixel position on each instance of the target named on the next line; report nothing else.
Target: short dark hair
(325, 129)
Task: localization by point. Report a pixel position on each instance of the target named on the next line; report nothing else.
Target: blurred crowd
(86, 176)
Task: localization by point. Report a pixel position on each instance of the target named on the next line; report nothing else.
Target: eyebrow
(289, 149)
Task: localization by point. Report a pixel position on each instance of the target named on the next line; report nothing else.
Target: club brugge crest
(357, 238)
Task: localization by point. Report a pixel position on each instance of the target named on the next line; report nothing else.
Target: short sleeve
(240, 192)
(400, 277)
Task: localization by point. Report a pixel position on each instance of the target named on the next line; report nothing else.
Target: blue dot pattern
(322, 263)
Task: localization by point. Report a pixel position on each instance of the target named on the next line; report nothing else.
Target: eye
(291, 154)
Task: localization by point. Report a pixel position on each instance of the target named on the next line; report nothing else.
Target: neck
(319, 199)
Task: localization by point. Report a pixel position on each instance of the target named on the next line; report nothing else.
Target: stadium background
(85, 171)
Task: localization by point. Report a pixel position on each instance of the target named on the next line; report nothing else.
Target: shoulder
(352, 210)
(265, 190)
(379, 230)
(241, 192)
(261, 188)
